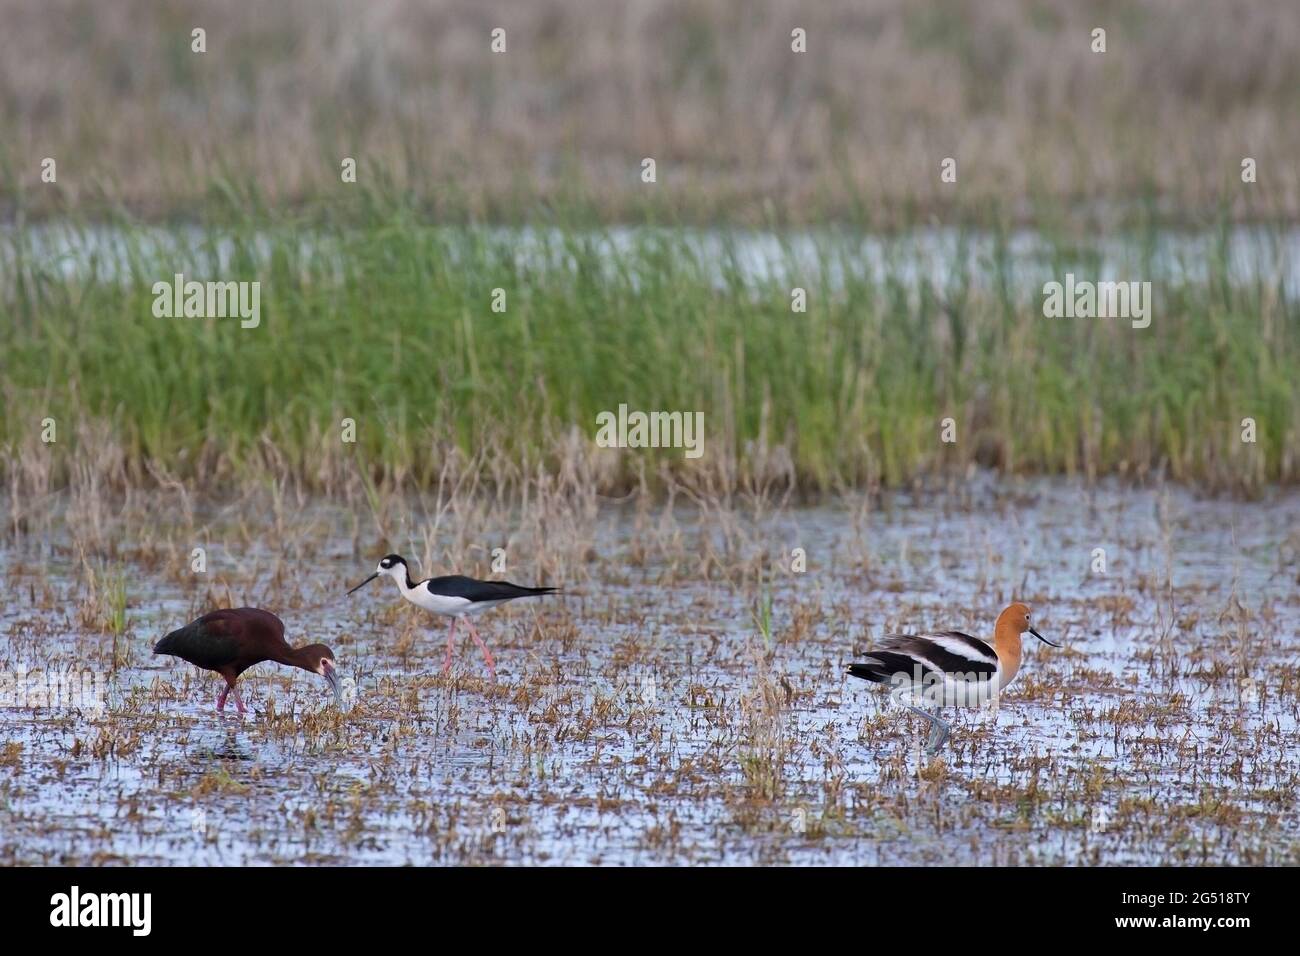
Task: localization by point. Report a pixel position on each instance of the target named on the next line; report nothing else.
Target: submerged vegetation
(444, 343)
(643, 716)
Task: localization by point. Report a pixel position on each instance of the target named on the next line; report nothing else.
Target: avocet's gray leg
(939, 729)
(938, 736)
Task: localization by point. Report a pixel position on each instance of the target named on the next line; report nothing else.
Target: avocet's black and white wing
(944, 654)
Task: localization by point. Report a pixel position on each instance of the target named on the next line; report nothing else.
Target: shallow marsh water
(645, 717)
(939, 256)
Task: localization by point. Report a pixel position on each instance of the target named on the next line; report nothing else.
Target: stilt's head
(1015, 618)
(393, 565)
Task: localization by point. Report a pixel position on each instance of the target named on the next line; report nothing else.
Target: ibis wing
(218, 640)
(210, 646)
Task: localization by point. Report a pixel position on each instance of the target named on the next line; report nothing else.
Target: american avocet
(949, 667)
(454, 596)
(232, 640)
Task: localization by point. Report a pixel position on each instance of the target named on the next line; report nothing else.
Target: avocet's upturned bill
(949, 668)
(453, 596)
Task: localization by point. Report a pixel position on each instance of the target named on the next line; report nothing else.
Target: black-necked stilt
(453, 596)
(949, 667)
(232, 640)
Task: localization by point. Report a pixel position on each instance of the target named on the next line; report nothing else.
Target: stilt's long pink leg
(487, 655)
(451, 642)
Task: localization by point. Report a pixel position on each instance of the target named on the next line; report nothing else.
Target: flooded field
(942, 257)
(684, 701)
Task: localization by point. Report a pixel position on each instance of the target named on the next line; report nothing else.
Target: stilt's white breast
(437, 603)
(445, 604)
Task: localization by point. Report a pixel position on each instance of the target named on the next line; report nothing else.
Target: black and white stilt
(453, 596)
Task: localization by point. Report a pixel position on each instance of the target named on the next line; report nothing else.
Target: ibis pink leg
(239, 702)
(451, 642)
(487, 655)
(221, 698)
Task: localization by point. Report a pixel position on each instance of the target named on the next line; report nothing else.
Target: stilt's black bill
(365, 582)
(1031, 631)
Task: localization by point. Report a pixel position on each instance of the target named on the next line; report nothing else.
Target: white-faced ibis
(949, 667)
(232, 640)
(454, 596)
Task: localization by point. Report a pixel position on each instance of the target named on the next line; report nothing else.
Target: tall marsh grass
(388, 322)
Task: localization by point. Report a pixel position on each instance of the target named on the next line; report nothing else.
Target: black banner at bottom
(341, 905)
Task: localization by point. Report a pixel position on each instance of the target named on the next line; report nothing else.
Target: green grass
(379, 318)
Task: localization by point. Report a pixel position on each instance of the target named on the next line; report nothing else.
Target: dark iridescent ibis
(232, 640)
